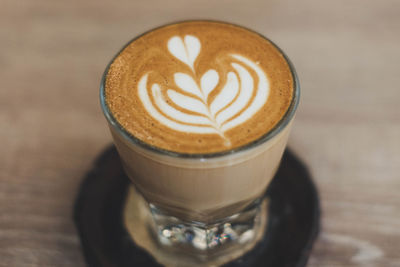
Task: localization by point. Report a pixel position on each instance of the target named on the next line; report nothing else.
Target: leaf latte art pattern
(237, 101)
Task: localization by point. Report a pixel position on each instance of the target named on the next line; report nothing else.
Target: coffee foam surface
(199, 87)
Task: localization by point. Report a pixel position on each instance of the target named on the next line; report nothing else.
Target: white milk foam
(230, 108)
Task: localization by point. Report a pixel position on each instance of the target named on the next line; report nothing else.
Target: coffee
(200, 113)
(199, 87)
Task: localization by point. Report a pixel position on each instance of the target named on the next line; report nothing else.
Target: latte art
(233, 104)
(199, 87)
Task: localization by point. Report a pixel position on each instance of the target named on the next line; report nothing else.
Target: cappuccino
(199, 87)
(200, 113)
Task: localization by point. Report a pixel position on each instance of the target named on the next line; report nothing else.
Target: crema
(199, 87)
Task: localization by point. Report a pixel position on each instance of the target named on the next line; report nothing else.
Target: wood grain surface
(347, 130)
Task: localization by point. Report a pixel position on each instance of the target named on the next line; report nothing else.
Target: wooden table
(347, 130)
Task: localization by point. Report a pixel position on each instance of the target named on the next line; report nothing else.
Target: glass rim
(282, 123)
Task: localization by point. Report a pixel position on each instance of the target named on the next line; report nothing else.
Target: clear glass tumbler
(204, 205)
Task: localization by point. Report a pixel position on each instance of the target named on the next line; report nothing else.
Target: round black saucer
(293, 220)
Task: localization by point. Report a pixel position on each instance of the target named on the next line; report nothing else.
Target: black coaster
(293, 220)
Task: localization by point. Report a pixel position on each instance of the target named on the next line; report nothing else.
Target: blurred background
(53, 54)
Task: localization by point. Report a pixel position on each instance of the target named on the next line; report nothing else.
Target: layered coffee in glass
(200, 113)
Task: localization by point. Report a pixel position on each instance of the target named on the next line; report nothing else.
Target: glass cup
(204, 205)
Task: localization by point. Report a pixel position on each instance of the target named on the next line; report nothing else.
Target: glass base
(177, 243)
(207, 240)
